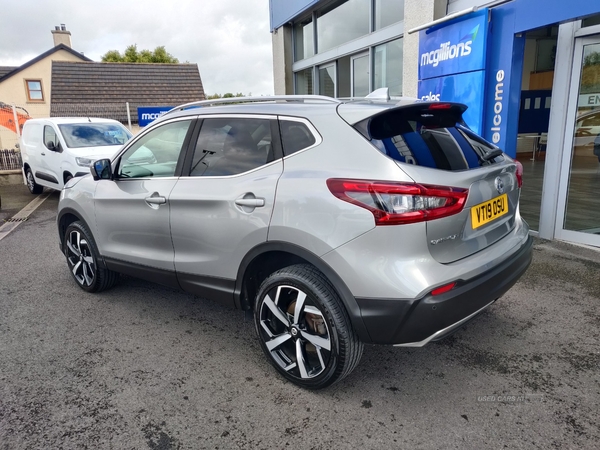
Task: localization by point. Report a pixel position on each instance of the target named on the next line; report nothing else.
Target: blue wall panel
(534, 114)
(503, 83)
(538, 13)
(282, 11)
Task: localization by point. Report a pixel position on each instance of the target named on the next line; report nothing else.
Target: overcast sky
(228, 39)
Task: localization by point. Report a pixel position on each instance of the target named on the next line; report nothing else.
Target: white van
(57, 149)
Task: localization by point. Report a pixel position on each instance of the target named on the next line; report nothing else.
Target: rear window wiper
(492, 154)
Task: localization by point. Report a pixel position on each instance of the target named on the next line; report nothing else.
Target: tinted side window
(156, 154)
(295, 136)
(229, 146)
(50, 137)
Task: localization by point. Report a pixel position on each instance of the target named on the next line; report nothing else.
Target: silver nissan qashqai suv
(337, 223)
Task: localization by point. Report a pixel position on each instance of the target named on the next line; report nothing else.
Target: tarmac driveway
(143, 366)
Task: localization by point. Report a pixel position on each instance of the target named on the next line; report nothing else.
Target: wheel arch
(66, 217)
(271, 256)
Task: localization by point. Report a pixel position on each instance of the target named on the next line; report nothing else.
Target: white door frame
(567, 149)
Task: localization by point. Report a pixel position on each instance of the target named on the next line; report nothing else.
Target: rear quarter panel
(306, 213)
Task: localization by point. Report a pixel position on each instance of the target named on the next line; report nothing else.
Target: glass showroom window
(388, 12)
(304, 82)
(388, 66)
(327, 80)
(360, 75)
(348, 21)
(304, 40)
(34, 90)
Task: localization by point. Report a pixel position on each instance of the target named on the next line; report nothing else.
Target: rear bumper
(415, 322)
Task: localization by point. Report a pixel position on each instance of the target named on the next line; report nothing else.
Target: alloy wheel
(80, 258)
(295, 332)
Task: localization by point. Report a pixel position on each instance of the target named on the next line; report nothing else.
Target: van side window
(50, 138)
(295, 136)
(229, 146)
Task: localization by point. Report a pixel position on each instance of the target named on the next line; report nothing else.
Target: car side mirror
(101, 170)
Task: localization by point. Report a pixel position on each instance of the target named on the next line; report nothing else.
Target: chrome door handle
(156, 200)
(250, 202)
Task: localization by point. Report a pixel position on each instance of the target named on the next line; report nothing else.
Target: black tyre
(34, 188)
(304, 328)
(82, 259)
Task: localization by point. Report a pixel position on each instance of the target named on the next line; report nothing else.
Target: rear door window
(232, 145)
(435, 138)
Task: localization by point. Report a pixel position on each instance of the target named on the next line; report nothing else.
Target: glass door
(578, 218)
(360, 75)
(327, 80)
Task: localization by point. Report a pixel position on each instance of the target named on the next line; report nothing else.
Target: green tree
(132, 55)
(226, 95)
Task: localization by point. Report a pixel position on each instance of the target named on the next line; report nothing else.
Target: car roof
(351, 110)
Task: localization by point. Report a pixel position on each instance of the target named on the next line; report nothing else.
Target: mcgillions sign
(448, 51)
(148, 114)
(454, 47)
(452, 59)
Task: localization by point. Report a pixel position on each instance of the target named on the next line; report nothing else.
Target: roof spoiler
(394, 121)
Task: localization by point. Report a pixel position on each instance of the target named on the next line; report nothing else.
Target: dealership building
(529, 71)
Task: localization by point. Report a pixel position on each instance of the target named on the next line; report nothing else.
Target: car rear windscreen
(431, 137)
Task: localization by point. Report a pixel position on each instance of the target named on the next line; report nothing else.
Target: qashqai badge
(499, 185)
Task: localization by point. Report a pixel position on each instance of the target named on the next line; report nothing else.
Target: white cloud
(229, 39)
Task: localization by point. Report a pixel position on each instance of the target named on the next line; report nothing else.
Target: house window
(34, 90)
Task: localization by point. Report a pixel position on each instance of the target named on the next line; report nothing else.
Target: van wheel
(304, 329)
(34, 188)
(82, 259)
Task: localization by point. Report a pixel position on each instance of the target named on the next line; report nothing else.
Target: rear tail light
(395, 203)
(519, 173)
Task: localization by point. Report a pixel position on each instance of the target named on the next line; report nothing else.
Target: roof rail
(272, 98)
